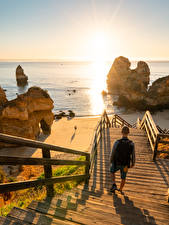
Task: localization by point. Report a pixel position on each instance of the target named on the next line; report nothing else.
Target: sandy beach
(63, 133)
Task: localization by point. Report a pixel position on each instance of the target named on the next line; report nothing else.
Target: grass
(23, 198)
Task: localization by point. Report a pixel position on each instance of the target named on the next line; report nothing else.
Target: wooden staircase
(144, 200)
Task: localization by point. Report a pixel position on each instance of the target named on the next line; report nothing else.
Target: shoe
(113, 188)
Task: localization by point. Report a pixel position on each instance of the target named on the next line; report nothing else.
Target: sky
(84, 29)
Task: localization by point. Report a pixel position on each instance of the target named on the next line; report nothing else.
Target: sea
(73, 86)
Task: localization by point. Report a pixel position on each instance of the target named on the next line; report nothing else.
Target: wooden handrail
(162, 131)
(154, 136)
(107, 119)
(47, 162)
(6, 160)
(14, 186)
(104, 120)
(37, 144)
(119, 121)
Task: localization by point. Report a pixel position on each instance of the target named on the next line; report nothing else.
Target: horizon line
(81, 60)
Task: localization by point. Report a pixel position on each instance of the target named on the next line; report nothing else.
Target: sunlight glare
(99, 46)
(99, 70)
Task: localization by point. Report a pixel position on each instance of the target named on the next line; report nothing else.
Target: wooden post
(87, 169)
(155, 148)
(100, 130)
(113, 122)
(48, 172)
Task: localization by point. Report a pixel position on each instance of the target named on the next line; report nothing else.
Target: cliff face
(21, 78)
(27, 114)
(122, 80)
(131, 85)
(3, 98)
(158, 93)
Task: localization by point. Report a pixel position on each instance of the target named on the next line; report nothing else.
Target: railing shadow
(163, 167)
(123, 205)
(80, 196)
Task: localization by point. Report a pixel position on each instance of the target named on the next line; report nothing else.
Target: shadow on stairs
(143, 201)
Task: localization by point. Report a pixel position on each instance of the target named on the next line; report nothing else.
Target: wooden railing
(47, 162)
(118, 121)
(104, 121)
(154, 136)
(163, 131)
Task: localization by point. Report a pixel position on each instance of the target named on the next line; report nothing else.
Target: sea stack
(122, 80)
(21, 78)
(132, 86)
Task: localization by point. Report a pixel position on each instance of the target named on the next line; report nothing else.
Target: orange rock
(3, 98)
(27, 114)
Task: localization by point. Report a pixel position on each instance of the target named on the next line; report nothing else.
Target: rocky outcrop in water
(21, 78)
(3, 98)
(122, 80)
(131, 86)
(158, 94)
(26, 115)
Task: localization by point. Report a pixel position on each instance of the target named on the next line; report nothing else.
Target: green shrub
(24, 197)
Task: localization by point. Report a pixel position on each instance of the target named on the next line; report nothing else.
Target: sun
(99, 46)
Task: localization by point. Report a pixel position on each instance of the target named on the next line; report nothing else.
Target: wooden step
(33, 217)
(88, 216)
(10, 221)
(71, 201)
(133, 187)
(130, 180)
(98, 213)
(98, 191)
(81, 190)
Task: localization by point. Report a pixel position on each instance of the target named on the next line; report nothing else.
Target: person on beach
(122, 157)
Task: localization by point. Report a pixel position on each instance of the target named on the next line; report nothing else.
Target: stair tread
(73, 201)
(143, 201)
(95, 214)
(31, 217)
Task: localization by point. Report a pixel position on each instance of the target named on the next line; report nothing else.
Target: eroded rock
(158, 94)
(27, 114)
(21, 78)
(131, 86)
(3, 98)
(132, 83)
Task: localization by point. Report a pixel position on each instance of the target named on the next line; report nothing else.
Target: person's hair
(125, 130)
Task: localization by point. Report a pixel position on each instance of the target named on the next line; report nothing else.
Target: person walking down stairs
(122, 157)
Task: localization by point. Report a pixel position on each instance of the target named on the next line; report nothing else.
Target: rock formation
(21, 78)
(27, 114)
(158, 94)
(122, 80)
(3, 98)
(131, 85)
